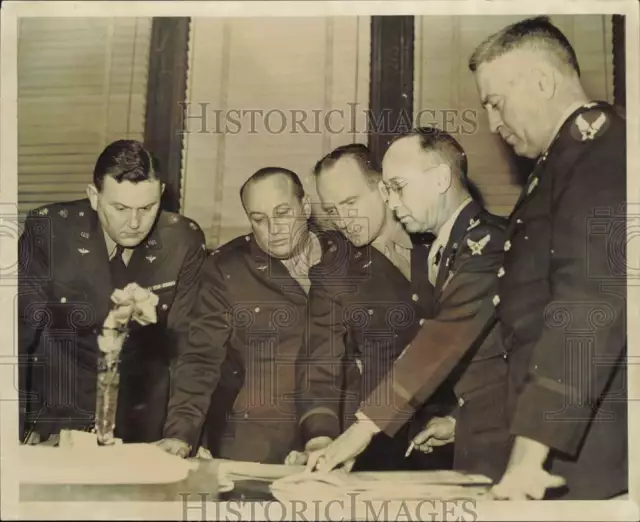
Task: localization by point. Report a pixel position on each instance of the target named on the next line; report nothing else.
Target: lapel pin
(151, 259)
(262, 267)
(81, 214)
(173, 219)
(478, 246)
(83, 251)
(85, 235)
(473, 223)
(43, 211)
(64, 213)
(193, 226)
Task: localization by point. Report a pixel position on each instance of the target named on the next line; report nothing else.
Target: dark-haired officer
(561, 300)
(72, 256)
(252, 308)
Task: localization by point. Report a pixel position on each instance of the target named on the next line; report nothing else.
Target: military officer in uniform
(426, 175)
(369, 295)
(72, 257)
(562, 287)
(252, 309)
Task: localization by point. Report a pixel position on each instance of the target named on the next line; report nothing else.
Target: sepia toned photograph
(333, 262)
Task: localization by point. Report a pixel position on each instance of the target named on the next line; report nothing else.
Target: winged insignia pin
(151, 259)
(83, 251)
(588, 130)
(478, 246)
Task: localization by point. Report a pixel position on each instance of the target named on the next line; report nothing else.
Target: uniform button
(507, 246)
(421, 322)
(552, 251)
(63, 299)
(246, 415)
(501, 271)
(165, 306)
(247, 238)
(460, 402)
(35, 359)
(370, 311)
(415, 297)
(235, 372)
(256, 309)
(519, 221)
(526, 237)
(496, 300)
(505, 355)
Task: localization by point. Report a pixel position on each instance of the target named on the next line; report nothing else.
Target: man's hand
(343, 450)
(525, 477)
(437, 432)
(300, 458)
(175, 447)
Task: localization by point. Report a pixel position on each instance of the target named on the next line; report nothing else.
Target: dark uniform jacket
(253, 312)
(465, 284)
(562, 304)
(361, 308)
(65, 287)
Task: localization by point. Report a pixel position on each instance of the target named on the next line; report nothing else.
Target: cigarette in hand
(409, 449)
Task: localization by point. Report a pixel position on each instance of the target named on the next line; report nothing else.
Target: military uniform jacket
(253, 312)
(361, 309)
(461, 317)
(562, 303)
(65, 287)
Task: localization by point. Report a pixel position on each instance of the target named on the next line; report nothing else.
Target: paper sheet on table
(101, 465)
(241, 470)
(382, 485)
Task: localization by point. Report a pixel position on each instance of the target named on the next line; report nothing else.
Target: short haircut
(432, 139)
(536, 33)
(125, 160)
(360, 153)
(267, 172)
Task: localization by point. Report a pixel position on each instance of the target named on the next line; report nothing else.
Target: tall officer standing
(561, 300)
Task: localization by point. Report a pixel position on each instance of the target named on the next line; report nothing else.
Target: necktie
(435, 266)
(119, 275)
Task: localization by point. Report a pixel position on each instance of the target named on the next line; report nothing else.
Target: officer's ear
(443, 177)
(92, 194)
(306, 207)
(544, 80)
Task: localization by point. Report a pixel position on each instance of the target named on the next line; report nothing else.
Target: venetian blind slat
(81, 84)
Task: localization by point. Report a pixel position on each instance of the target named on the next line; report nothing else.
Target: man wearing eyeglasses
(368, 297)
(425, 173)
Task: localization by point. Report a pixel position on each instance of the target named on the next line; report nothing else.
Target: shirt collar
(445, 231)
(396, 236)
(111, 244)
(565, 115)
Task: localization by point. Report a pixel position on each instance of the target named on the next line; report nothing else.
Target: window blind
(286, 70)
(81, 85)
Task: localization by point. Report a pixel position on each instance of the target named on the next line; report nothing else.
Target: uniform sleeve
(466, 313)
(202, 338)
(319, 371)
(584, 336)
(33, 297)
